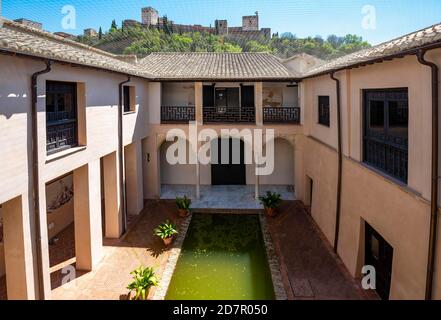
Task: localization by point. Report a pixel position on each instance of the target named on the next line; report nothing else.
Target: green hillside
(141, 41)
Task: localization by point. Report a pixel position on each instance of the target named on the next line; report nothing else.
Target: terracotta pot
(132, 295)
(270, 212)
(168, 241)
(183, 213)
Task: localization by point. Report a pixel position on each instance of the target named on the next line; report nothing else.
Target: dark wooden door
(231, 173)
(379, 254)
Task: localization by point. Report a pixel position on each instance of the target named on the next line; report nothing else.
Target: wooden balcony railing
(281, 115)
(389, 157)
(61, 135)
(229, 114)
(177, 114)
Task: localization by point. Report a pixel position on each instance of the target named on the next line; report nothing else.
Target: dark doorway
(233, 172)
(379, 254)
(310, 189)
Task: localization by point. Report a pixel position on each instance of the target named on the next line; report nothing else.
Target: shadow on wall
(60, 210)
(9, 100)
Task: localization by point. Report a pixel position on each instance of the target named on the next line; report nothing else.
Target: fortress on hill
(150, 18)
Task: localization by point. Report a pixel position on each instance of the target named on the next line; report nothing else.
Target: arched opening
(281, 179)
(176, 179)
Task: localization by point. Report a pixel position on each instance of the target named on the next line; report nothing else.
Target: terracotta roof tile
(215, 66)
(399, 45)
(22, 39)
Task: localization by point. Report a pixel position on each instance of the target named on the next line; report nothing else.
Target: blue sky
(301, 17)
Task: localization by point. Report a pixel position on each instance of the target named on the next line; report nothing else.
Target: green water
(223, 257)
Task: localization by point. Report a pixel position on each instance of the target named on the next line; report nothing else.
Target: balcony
(177, 114)
(281, 115)
(228, 115)
(390, 158)
(61, 131)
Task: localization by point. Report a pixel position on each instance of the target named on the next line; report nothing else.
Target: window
(128, 96)
(61, 116)
(323, 110)
(386, 131)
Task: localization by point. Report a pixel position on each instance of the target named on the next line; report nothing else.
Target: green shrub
(183, 203)
(143, 279)
(165, 230)
(271, 200)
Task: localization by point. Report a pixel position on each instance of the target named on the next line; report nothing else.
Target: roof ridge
(51, 36)
(378, 51)
(403, 36)
(202, 53)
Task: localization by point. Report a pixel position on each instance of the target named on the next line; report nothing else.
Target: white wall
(278, 94)
(2, 253)
(283, 173)
(175, 174)
(178, 94)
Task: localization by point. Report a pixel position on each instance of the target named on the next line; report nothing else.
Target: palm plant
(143, 279)
(165, 230)
(271, 201)
(183, 205)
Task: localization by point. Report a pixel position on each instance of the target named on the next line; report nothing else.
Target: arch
(178, 178)
(283, 176)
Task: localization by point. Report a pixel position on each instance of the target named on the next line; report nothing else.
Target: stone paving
(225, 197)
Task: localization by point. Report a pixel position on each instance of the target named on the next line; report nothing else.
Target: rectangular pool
(222, 257)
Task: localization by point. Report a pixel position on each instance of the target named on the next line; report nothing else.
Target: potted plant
(270, 201)
(143, 279)
(183, 205)
(166, 232)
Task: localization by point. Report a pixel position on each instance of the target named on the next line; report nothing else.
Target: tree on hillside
(113, 26)
(100, 33)
(254, 46)
(143, 41)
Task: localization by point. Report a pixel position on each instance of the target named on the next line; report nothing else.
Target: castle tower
(250, 23)
(221, 27)
(149, 16)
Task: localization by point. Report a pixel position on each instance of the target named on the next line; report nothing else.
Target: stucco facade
(400, 212)
(97, 101)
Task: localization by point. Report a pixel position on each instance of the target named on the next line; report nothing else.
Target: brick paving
(138, 247)
(3, 295)
(309, 267)
(61, 250)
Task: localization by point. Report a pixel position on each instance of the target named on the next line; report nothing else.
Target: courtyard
(309, 268)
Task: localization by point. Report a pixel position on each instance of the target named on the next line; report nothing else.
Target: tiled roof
(215, 66)
(404, 44)
(21, 39)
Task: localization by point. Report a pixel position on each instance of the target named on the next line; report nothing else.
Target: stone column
(198, 102)
(87, 215)
(18, 249)
(44, 243)
(258, 101)
(134, 186)
(198, 172)
(256, 188)
(112, 200)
